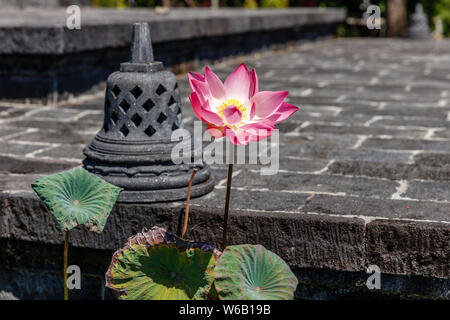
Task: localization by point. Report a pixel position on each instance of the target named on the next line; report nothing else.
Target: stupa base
(166, 195)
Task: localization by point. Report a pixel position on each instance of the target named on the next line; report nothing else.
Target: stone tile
(403, 144)
(55, 113)
(69, 151)
(286, 127)
(300, 118)
(6, 131)
(372, 95)
(63, 136)
(252, 200)
(445, 133)
(31, 166)
(386, 208)
(318, 139)
(428, 190)
(335, 153)
(17, 182)
(422, 122)
(92, 104)
(440, 160)
(300, 165)
(93, 118)
(294, 182)
(402, 111)
(18, 149)
(347, 128)
(55, 125)
(12, 112)
(391, 171)
(4, 108)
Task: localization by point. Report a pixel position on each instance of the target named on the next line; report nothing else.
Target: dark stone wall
(33, 271)
(329, 256)
(50, 78)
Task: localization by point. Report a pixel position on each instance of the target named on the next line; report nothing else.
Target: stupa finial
(141, 44)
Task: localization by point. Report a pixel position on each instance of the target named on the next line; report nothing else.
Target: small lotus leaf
(157, 265)
(251, 272)
(77, 197)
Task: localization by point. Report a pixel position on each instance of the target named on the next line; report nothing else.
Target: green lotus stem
(186, 215)
(66, 250)
(227, 206)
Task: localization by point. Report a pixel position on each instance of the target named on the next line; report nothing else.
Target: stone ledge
(50, 63)
(304, 240)
(44, 31)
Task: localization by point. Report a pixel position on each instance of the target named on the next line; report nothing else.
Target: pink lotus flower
(236, 109)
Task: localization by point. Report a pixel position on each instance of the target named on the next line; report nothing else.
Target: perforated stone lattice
(138, 114)
(133, 149)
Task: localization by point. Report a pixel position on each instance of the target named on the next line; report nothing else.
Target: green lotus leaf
(251, 272)
(77, 197)
(157, 265)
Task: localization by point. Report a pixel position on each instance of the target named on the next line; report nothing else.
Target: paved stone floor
(371, 141)
(371, 138)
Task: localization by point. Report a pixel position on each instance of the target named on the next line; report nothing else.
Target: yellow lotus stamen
(233, 102)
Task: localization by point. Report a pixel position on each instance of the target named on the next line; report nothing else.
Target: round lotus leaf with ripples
(157, 265)
(76, 197)
(251, 272)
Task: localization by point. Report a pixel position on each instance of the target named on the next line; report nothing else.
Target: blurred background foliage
(433, 8)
